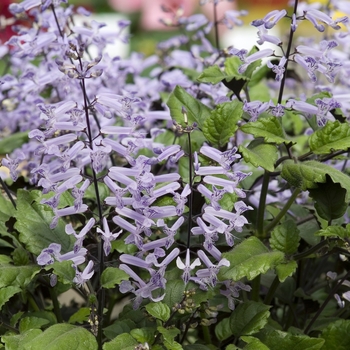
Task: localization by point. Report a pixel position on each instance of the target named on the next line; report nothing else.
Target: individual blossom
(53, 253)
(247, 60)
(81, 235)
(209, 275)
(107, 236)
(181, 199)
(187, 267)
(12, 163)
(278, 69)
(271, 19)
(232, 291)
(82, 277)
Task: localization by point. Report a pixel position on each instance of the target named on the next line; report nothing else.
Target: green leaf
(119, 327)
(329, 199)
(212, 75)
(112, 276)
(285, 270)
(285, 237)
(19, 341)
(309, 174)
(82, 315)
(64, 271)
(17, 276)
(249, 318)
(278, 340)
(249, 259)
(269, 128)
(143, 335)
(33, 224)
(158, 310)
(6, 293)
(63, 336)
(28, 323)
(232, 65)
(169, 335)
(260, 154)
(223, 329)
(197, 112)
(123, 341)
(337, 335)
(9, 143)
(222, 124)
(20, 256)
(335, 231)
(253, 344)
(7, 210)
(334, 136)
(175, 292)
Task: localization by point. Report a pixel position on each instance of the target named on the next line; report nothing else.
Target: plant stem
(291, 34)
(262, 203)
(101, 291)
(7, 191)
(216, 26)
(283, 212)
(190, 201)
(272, 290)
(255, 295)
(56, 306)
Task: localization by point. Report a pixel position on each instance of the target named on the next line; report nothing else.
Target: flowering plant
(194, 199)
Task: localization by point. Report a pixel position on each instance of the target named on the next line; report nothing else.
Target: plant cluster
(207, 189)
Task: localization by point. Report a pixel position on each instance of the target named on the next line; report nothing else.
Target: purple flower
(270, 20)
(107, 236)
(82, 277)
(209, 275)
(80, 237)
(278, 69)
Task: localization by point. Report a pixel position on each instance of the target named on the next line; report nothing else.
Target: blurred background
(146, 29)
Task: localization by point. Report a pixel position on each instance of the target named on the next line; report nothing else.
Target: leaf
(17, 276)
(9, 143)
(269, 128)
(285, 237)
(197, 112)
(112, 276)
(260, 154)
(63, 336)
(7, 210)
(329, 199)
(64, 270)
(28, 323)
(337, 335)
(335, 231)
(309, 174)
(253, 344)
(143, 335)
(33, 224)
(6, 293)
(278, 340)
(169, 335)
(175, 292)
(222, 123)
(82, 315)
(158, 310)
(18, 341)
(249, 259)
(123, 341)
(223, 329)
(212, 75)
(334, 136)
(249, 318)
(119, 327)
(285, 270)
